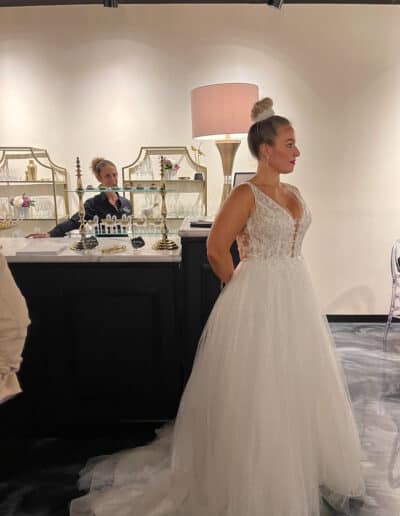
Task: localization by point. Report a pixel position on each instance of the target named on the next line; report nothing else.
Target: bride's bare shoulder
(242, 193)
(243, 190)
(291, 186)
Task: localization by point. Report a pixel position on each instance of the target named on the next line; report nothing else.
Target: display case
(185, 185)
(33, 190)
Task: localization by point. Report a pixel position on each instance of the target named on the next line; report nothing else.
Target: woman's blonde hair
(98, 164)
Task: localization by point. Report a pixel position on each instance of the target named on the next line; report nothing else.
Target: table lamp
(221, 112)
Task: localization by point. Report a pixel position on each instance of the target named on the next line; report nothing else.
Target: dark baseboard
(359, 318)
(109, 429)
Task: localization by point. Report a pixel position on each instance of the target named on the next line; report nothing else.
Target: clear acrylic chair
(394, 310)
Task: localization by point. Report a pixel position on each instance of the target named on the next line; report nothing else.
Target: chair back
(395, 268)
(395, 259)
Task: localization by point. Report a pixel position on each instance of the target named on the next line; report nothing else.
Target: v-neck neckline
(283, 208)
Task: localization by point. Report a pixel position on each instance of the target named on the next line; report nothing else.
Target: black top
(97, 205)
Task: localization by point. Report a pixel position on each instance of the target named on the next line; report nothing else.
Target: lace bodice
(271, 231)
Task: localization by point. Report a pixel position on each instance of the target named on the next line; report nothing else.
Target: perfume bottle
(114, 228)
(108, 224)
(124, 224)
(31, 171)
(96, 224)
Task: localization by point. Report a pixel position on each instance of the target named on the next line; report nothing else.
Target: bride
(265, 423)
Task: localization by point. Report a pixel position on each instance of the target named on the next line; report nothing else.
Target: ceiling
(21, 3)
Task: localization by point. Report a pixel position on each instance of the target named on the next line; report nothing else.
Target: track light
(275, 3)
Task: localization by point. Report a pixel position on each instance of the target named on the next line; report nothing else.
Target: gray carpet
(39, 475)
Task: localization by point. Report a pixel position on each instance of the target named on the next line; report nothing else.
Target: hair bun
(262, 110)
(95, 162)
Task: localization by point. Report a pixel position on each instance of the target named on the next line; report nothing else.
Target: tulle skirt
(264, 422)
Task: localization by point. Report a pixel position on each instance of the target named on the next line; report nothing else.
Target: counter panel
(104, 343)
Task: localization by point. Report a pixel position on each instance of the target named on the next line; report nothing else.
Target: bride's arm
(229, 222)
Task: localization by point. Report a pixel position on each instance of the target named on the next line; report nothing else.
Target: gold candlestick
(84, 242)
(164, 243)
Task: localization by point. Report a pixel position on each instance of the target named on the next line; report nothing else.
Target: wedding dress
(265, 419)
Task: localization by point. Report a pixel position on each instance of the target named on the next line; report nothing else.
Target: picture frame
(241, 177)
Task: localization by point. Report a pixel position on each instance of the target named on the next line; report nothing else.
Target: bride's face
(282, 155)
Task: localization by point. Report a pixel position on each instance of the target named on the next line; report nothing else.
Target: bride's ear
(264, 152)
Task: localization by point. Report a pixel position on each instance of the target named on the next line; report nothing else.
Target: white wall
(85, 80)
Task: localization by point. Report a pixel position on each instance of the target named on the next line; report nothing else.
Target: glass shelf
(167, 180)
(155, 218)
(37, 219)
(156, 234)
(38, 182)
(132, 190)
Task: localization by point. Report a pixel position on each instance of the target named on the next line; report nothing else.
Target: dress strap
(256, 194)
(253, 188)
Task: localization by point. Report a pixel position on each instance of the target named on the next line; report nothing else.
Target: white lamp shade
(222, 109)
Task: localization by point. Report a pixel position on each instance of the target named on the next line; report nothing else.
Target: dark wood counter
(111, 342)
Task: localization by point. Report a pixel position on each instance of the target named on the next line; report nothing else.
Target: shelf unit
(185, 194)
(49, 189)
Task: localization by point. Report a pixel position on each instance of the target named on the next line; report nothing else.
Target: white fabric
(265, 418)
(14, 321)
(264, 115)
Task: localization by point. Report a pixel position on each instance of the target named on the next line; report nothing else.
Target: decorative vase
(24, 212)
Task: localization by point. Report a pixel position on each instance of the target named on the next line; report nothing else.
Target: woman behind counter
(101, 205)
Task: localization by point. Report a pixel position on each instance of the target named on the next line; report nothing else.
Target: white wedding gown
(265, 418)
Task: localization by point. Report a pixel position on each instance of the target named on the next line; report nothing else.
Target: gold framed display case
(33, 190)
(185, 184)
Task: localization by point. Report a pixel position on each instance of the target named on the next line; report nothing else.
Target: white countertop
(10, 246)
(187, 231)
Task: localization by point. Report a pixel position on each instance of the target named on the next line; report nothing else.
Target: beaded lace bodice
(271, 231)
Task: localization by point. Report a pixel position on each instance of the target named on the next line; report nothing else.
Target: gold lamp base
(227, 149)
